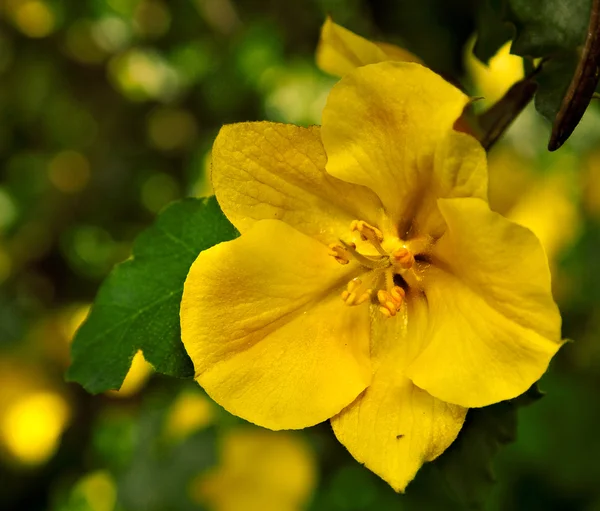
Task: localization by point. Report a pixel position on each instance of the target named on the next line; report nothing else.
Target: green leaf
(492, 30)
(554, 30)
(464, 473)
(545, 27)
(553, 81)
(137, 307)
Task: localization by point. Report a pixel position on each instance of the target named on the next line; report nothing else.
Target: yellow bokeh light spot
(270, 471)
(137, 376)
(143, 74)
(152, 18)
(111, 33)
(492, 81)
(296, 96)
(34, 18)
(81, 44)
(191, 412)
(31, 427)
(99, 491)
(74, 319)
(69, 171)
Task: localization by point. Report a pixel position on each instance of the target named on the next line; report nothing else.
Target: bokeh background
(108, 109)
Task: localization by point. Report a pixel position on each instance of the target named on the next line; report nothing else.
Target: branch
(582, 86)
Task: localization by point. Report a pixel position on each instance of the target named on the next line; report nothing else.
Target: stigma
(389, 258)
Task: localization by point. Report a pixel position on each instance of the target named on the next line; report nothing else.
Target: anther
(350, 295)
(385, 312)
(367, 232)
(339, 253)
(398, 293)
(404, 258)
(390, 301)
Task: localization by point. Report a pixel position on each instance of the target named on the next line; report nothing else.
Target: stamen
(350, 295)
(391, 301)
(369, 233)
(385, 312)
(373, 264)
(380, 270)
(340, 253)
(404, 258)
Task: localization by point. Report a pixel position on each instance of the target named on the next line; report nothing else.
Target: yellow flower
(340, 50)
(546, 203)
(371, 283)
(493, 80)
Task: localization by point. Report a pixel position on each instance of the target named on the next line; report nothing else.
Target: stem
(582, 86)
(496, 120)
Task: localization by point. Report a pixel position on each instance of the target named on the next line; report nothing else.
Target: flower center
(383, 259)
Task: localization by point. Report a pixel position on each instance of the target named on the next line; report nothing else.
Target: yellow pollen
(404, 258)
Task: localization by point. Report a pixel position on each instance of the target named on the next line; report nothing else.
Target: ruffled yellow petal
(270, 338)
(459, 170)
(382, 126)
(493, 323)
(340, 51)
(394, 427)
(264, 170)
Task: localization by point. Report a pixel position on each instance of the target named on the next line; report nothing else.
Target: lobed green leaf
(463, 475)
(137, 307)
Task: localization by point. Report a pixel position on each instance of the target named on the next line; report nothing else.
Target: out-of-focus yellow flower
(546, 203)
(190, 412)
(32, 17)
(31, 427)
(371, 283)
(491, 81)
(33, 414)
(258, 470)
(137, 376)
(98, 490)
(340, 50)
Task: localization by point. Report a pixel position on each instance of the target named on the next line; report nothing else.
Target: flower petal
(382, 126)
(264, 170)
(459, 170)
(340, 50)
(394, 427)
(493, 323)
(270, 338)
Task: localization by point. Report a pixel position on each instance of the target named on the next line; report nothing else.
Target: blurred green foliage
(109, 109)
